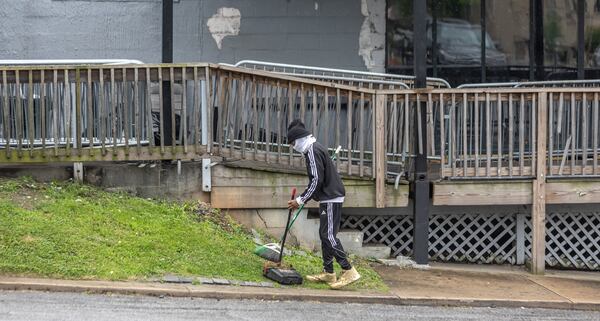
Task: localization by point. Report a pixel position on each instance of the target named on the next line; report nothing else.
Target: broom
(273, 251)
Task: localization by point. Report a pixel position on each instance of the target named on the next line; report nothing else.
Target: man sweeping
(325, 186)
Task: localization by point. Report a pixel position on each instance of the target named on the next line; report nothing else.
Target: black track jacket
(324, 181)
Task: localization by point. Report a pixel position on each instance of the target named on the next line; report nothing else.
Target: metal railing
(255, 108)
(493, 133)
(535, 84)
(365, 79)
(98, 112)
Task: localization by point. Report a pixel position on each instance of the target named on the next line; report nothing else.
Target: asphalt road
(69, 306)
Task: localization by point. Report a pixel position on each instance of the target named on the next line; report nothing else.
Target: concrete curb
(271, 294)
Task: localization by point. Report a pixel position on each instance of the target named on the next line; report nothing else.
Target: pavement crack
(549, 289)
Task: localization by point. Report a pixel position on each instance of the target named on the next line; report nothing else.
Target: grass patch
(73, 231)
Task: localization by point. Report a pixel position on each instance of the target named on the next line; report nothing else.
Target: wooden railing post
(380, 150)
(538, 210)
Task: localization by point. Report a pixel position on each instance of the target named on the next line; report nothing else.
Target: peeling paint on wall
(226, 22)
(371, 41)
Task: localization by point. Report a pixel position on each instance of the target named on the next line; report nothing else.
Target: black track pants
(330, 215)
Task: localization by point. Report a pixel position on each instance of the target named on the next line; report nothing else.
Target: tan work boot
(347, 277)
(322, 277)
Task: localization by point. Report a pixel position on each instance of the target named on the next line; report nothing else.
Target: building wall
(332, 33)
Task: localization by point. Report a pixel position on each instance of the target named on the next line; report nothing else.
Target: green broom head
(269, 252)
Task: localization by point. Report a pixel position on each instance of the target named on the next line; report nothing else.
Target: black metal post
(580, 39)
(483, 42)
(167, 57)
(434, 39)
(421, 180)
(531, 40)
(539, 40)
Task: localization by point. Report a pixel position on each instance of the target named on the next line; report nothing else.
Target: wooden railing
(117, 113)
(69, 113)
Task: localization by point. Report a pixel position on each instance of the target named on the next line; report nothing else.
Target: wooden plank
(538, 215)
(298, 165)
(184, 119)
(499, 135)
(68, 106)
(275, 196)
(6, 108)
(209, 105)
(430, 125)
(407, 122)
(338, 119)
(573, 192)
(584, 131)
(90, 112)
(380, 150)
(453, 130)
(173, 118)
(221, 78)
(78, 118)
(514, 193)
(314, 111)
(242, 106)
(349, 129)
(268, 123)
(30, 118)
(279, 108)
(550, 132)
(125, 103)
(442, 132)
(113, 108)
(149, 126)
(255, 129)
(325, 123)
(147, 154)
(477, 134)
(136, 102)
(521, 135)
(43, 96)
(482, 193)
(243, 173)
(392, 134)
(465, 155)
(488, 135)
(595, 138)
(577, 170)
(302, 103)
(573, 134)
(197, 112)
(362, 134)
(511, 134)
(291, 111)
(230, 112)
(55, 109)
(19, 117)
(419, 139)
(481, 172)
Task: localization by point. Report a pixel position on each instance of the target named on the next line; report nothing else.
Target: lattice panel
(393, 231)
(476, 238)
(455, 237)
(572, 240)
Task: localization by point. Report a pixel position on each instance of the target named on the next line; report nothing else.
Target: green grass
(72, 231)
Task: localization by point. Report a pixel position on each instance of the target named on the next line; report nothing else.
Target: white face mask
(298, 145)
(302, 144)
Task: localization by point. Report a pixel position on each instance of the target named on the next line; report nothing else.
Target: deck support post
(538, 209)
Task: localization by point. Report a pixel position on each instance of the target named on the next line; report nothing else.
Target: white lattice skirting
(572, 239)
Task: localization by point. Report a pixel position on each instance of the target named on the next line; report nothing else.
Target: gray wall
(322, 33)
